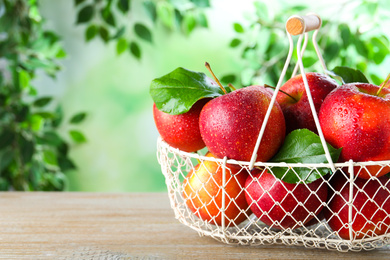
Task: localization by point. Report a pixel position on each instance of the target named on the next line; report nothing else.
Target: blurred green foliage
(108, 20)
(353, 37)
(33, 156)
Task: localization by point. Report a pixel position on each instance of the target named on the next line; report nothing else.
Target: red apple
(181, 131)
(370, 207)
(203, 192)
(357, 119)
(230, 124)
(284, 205)
(295, 105)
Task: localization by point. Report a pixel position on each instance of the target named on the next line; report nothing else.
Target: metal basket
(314, 231)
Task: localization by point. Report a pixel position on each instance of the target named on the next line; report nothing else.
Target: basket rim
(201, 157)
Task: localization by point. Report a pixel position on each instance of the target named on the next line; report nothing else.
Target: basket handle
(301, 24)
(296, 25)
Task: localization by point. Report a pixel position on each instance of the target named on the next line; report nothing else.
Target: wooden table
(121, 226)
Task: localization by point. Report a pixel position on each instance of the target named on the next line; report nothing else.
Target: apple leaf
(176, 92)
(302, 146)
(348, 75)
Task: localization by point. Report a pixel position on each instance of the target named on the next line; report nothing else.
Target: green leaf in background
(4, 184)
(178, 18)
(59, 115)
(7, 136)
(50, 157)
(27, 148)
(201, 3)
(123, 5)
(143, 32)
(36, 122)
(119, 33)
(121, 45)
(202, 20)
(360, 46)
(235, 42)
(6, 157)
(77, 136)
(302, 146)
(91, 32)
(380, 49)
(61, 54)
(176, 92)
(331, 51)
(34, 14)
(108, 17)
(348, 75)
(309, 61)
(66, 164)
(150, 8)
(50, 138)
(188, 23)
(43, 101)
(345, 34)
(135, 50)
(21, 113)
(77, 2)
(261, 10)
(238, 28)
(85, 14)
(24, 78)
(230, 78)
(166, 13)
(78, 118)
(46, 115)
(104, 34)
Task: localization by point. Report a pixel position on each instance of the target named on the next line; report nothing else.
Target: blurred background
(110, 51)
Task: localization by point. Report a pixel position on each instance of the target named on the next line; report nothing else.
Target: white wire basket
(308, 215)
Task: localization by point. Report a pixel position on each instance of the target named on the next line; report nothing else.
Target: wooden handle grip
(300, 24)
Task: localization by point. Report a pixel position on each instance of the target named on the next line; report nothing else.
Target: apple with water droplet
(356, 118)
(181, 131)
(203, 192)
(370, 204)
(230, 124)
(294, 101)
(284, 205)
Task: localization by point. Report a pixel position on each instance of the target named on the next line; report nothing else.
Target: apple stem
(215, 78)
(284, 92)
(385, 83)
(230, 85)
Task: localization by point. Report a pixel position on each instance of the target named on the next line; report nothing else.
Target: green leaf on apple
(348, 75)
(176, 92)
(302, 146)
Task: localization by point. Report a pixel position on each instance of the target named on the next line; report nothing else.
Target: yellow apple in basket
(203, 192)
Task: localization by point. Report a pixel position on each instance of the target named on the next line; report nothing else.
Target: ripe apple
(284, 205)
(181, 131)
(370, 207)
(294, 101)
(203, 192)
(230, 124)
(355, 117)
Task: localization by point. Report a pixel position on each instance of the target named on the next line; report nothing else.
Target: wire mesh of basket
(241, 202)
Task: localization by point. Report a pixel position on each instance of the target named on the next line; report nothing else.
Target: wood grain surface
(121, 226)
